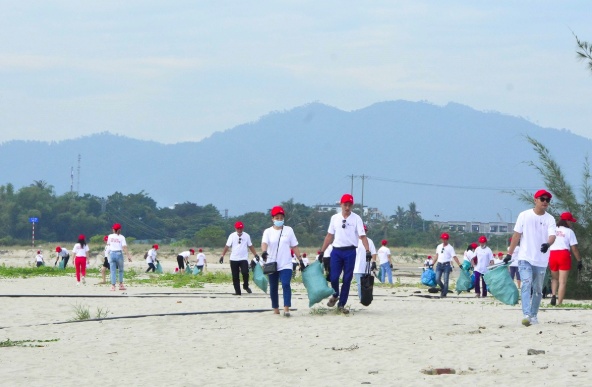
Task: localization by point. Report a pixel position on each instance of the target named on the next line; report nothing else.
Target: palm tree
(413, 215)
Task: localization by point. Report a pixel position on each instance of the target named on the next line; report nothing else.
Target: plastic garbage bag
(158, 268)
(463, 283)
(315, 283)
(196, 270)
(259, 278)
(428, 278)
(500, 285)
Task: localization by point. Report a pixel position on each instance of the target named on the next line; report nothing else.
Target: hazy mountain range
(452, 161)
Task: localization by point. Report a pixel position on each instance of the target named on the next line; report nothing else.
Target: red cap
(365, 228)
(304, 255)
(482, 239)
(277, 210)
(116, 226)
(474, 245)
(429, 257)
(383, 242)
(192, 251)
(81, 236)
(500, 254)
(318, 251)
(346, 198)
(200, 250)
(542, 192)
(155, 247)
(568, 216)
(239, 224)
(58, 249)
(444, 236)
(38, 251)
(106, 238)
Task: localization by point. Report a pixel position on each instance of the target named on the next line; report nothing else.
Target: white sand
(385, 344)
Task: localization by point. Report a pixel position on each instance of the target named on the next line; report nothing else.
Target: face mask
(278, 223)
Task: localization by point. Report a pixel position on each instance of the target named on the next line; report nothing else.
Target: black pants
(181, 262)
(243, 266)
(327, 266)
(65, 259)
(151, 267)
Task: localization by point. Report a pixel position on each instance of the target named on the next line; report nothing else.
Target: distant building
(490, 228)
(368, 212)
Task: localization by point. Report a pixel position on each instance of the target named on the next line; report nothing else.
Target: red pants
(80, 265)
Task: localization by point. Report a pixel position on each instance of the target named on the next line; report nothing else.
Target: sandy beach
(207, 336)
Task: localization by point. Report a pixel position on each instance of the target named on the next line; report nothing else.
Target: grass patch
(571, 305)
(82, 312)
(28, 272)
(25, 343)
(183, 280)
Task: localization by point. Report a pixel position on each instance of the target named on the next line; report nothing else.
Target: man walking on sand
(345, 231)
(240, 243)
(535, 231)
(444, 256)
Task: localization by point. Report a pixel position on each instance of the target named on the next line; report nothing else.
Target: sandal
(332, 301)
(121, 287)
(343, 310)
(112, 288)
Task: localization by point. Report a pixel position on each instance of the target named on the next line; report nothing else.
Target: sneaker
(553, 300)
(332, 301)
(247, 289)
(84, 280)
(112, 288)
(343, 310)
(534, 320)
(77, 283)
(121, 287)
(526, 321)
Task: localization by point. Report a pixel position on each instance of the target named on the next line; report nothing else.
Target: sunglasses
(442, 250)
(545, 199)
(343, 224)
(239, 240)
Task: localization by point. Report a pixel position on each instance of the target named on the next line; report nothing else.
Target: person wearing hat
(484, 257)
(64, 254)
(345, 230)
(384, 259)
(361, 264)
(183, 259)
(428, 263)
(276, 244)
(470, 253)
(444, 255)
(560, 257)
(105, 266)
(80, 251)
(200, 260)
(240, 243)
(535, 230)
(117, 247)
(151, 258)
(39, 258)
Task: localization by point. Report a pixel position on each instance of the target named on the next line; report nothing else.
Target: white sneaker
(526, 321)
(77, 283)
(534, 320)
(84, 280)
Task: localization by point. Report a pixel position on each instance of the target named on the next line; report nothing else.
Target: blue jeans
(386, 270)
(285, 276)
(342, 261)
(532, 277)
(116, 262)
(443, 268)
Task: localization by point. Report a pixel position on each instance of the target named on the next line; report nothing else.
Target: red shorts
(560, 260)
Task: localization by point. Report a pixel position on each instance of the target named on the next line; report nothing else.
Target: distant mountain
(411, 151)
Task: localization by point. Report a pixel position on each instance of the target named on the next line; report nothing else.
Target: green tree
(211, 236)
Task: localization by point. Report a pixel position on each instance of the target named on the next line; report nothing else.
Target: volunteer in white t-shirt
(469, 254)
(240, 243)
(484, 258)
(276, 243)
(345, 230)
(39, 258)
(361, 264)
(64, 254)
(151, 259)
(535, 230)
(428, 263)
(200, 260)
(117, 247)
(444, 256)
(80, 251)
(183, 259)
(384, 260)
(560, 257)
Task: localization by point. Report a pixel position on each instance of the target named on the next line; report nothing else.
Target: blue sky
(173, 71)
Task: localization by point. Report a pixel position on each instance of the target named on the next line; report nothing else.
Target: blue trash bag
(158, 268)
(466, 265)
(61, 265)
(196, 270)
(428, 278)
(188, 269)
(500, 285)
(259, 278)
(315, 283)
(463, 283)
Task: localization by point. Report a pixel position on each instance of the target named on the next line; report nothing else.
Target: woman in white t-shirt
(484, 257)
(560, 257)
(39, 258)
(151, 258)
(276, 243)
(117, 247)
(80, 251)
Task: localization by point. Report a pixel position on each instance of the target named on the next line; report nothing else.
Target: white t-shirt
(305, 261)
(515, 257)
(185, 254)
(281, 255)
(240, 251)
(428, 262)
(444, 253)
(200, 260)
(383, 254)
(151, 258)
(535, 230)
(564, 239)
(469, 255)
(107, 251)
(63, 253)
(350, 234)
(484, 256)
(79, 251)
(328, 251)
(39, 258)
(360, 266)
(116, 242)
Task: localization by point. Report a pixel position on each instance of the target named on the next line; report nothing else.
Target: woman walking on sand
(560, 257)
(80, 251)
(117, 246)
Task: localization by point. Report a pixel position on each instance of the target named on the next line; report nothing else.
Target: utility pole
(351, 191)
(78, 184)
(363, 178)
(71, 179)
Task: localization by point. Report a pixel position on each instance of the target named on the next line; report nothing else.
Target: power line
(447, 185)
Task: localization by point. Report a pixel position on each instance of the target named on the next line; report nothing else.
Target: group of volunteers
(538, 241)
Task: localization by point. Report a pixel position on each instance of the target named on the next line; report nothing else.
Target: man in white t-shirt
(240, 243)
(151, 259)
(64, 254)
(345, 231)
(39, 259)
(200, 260)
(535, 230)
(444, 255)
(483, 258)
(384, 260)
